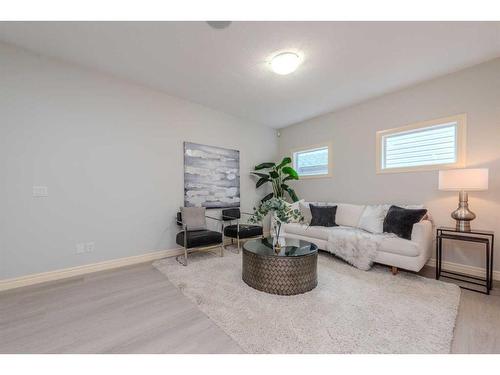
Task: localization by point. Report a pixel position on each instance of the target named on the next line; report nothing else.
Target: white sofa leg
(394, 270)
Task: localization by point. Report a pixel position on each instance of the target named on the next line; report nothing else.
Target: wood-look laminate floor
(477, 329)
(129, 310)
(137, 310)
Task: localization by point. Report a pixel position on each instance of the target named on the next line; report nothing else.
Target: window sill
(329, 175)
(423, 168)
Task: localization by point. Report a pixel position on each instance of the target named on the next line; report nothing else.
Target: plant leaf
(267, 197)
(264, 175)
(264, 166)
(288, 178)
(262, 181)
(290, 192)
(274, 174)
(291, 172)
(286, 160)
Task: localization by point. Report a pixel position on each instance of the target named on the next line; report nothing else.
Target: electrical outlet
(80, 247)
(40, 191)
(89, 247)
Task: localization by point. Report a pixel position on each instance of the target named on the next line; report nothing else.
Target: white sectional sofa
(392, 251)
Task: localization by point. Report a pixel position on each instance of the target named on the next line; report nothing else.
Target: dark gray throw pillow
(323, 216)
(400, 220)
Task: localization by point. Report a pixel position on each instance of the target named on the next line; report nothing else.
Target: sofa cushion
(197, 238)
(399, 246)
(400, 220)
(305, 230)
(296, 205)
(372, 219)
(246, 231)
(349, 214)
(323, 216)
(427, 216)
(194, 218)
(305, 210)
(388, 244)
(230, 214)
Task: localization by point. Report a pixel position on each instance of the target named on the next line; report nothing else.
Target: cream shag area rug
(350, 311)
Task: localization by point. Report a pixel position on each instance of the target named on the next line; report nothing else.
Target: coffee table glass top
(293, 247)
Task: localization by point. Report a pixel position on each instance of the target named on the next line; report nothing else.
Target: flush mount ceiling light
(285, 63)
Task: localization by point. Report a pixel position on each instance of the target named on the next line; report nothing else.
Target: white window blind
(312, 162)
(431, 145)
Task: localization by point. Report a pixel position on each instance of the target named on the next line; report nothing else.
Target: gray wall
(111, 155)
(475, 91)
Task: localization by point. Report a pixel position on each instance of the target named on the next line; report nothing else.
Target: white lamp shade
(464, 179)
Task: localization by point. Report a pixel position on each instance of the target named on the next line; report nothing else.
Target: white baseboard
(462, 268)
(43, 277)
(64, 273)
(38, 278)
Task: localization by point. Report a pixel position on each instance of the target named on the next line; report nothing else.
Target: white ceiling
(344, 62)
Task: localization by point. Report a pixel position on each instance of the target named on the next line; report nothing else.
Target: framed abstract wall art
(211, 176)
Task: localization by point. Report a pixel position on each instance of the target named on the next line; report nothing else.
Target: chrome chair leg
(185, 262)
(185, 249)
(230, 247)
(222, 243)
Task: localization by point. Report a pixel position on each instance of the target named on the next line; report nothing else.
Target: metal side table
(478, 236)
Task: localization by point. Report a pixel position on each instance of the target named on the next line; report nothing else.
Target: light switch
(40, 191)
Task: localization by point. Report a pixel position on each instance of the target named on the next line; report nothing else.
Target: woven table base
(280, 275)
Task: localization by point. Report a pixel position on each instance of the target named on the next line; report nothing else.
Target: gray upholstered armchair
(195, 235)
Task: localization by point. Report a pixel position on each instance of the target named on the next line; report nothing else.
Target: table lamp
(463, 180)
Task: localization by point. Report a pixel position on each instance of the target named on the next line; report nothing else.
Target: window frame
(461, 121)
(311, 148)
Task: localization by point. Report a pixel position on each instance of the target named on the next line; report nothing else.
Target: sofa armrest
(422, 234)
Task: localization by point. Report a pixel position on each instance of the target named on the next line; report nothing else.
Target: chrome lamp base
(463, 226)
(462, 214)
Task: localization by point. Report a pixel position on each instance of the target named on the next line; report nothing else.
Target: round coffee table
(292, 270)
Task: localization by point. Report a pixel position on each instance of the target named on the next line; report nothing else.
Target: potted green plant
(277, 175)
(283, 213)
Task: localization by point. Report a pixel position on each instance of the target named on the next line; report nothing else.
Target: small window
(312, 162)
(424, 146)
